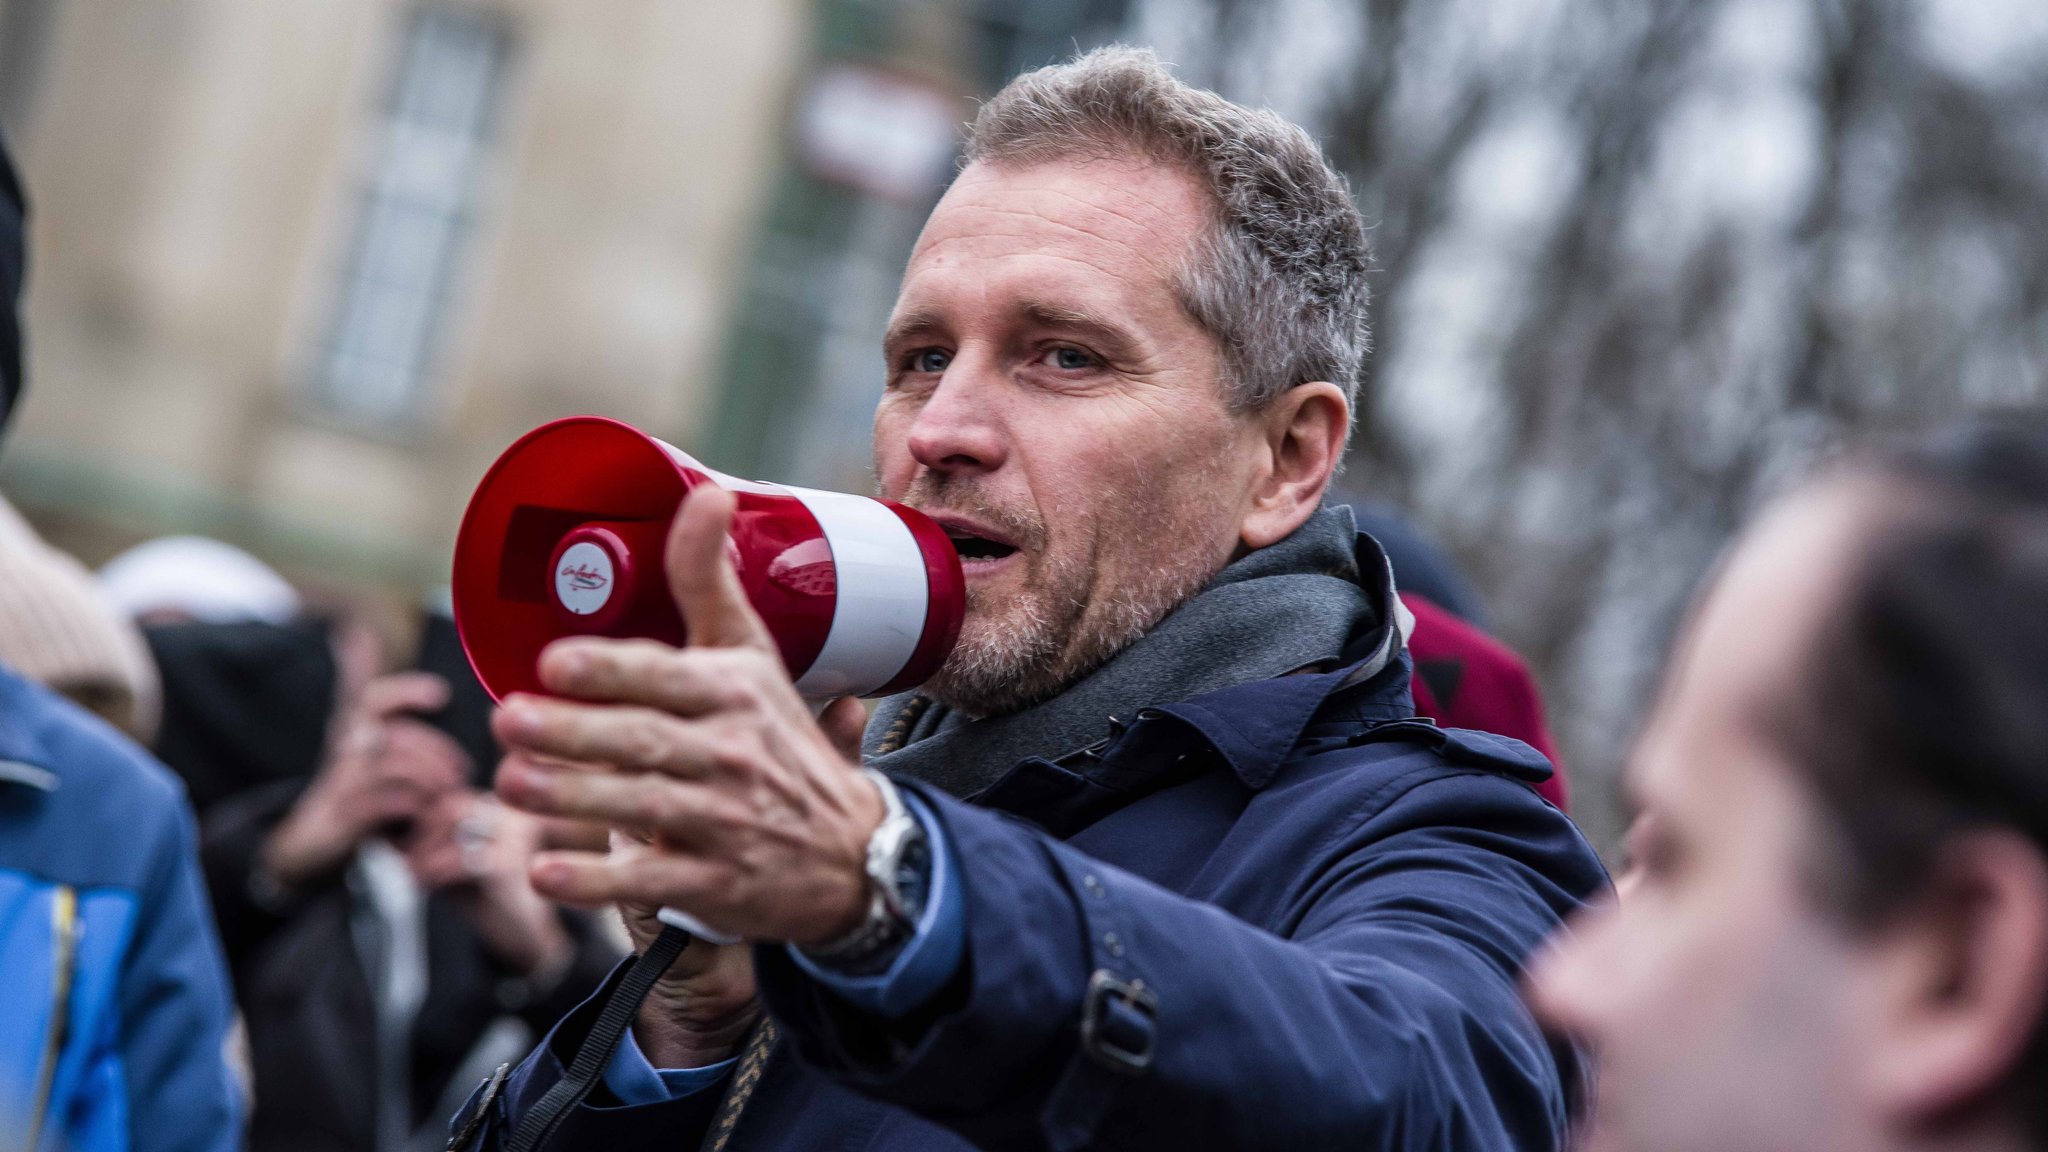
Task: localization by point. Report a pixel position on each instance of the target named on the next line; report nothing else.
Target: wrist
(896, 877)
(306, 844)
(678, 1030)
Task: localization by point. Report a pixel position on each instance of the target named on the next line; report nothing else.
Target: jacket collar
(24, 761)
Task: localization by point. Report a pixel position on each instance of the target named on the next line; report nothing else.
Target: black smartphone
(467, 716)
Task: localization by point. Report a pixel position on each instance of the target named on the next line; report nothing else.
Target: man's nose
(1562, 980)
(960, 427)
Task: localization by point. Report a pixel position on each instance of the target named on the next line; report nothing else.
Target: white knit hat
(58, 629)
(198, 578)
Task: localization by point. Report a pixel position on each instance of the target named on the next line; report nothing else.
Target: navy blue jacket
(114, 1006)
(1322, 903)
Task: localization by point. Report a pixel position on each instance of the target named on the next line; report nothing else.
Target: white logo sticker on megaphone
(584, 578)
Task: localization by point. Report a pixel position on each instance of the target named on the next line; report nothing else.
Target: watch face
(914, 876)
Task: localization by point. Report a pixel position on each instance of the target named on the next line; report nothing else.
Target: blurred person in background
(114, 1002)
(1464, 677)
(1836, 935)
(385, 942)
(196, 578)
(388, 949)
(1216, 886)
(1421, 566)
(249, 678)
(246, 704)
(58, 629)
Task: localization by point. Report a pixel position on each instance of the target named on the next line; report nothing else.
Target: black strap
(545, 1118)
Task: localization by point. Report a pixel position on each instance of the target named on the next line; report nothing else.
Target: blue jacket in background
(1286, 915)
(114, 999)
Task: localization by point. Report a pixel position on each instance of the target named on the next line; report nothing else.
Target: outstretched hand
(753, 821)
(728, 800)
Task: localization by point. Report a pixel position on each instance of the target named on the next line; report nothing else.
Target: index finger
(687, 682)
(403, 692)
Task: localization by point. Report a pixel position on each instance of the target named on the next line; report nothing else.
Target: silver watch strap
(883, 924)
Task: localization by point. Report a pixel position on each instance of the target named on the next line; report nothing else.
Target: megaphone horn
(566, 533)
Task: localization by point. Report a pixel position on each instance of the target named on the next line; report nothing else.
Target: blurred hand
(383, 768)
(731, 803)
(479, 851)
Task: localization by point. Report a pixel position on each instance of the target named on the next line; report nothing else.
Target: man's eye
(1647, 850)
(930, 360)
(1069, 359)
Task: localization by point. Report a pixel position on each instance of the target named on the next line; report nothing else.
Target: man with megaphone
(1160, 857)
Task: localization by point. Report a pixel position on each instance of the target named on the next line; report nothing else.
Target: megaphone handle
(677, 918)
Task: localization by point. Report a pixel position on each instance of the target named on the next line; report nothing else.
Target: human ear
(1303, 433)
(1966, 980)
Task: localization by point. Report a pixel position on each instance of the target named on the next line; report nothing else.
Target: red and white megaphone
(566, 533)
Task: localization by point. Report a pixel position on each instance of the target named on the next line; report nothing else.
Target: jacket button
(1114, 943)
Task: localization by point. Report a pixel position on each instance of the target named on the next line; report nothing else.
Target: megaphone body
(566, 534)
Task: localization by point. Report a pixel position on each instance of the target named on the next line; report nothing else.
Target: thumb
(843, 721)
(701, 577)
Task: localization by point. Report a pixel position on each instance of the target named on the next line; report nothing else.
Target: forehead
(1091, 227)
(1746, 653)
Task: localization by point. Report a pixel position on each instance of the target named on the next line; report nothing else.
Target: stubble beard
(1024, 647)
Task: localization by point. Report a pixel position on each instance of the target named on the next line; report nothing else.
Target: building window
(420, 194)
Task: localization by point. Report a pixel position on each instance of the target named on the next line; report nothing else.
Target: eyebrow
(911, 325)
(1114, 336)
(1113, 340)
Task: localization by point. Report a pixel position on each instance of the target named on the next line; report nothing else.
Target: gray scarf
(1271, 612)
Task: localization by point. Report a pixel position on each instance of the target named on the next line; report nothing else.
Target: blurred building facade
(299, 271)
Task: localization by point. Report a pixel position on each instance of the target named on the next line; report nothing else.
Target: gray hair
(1281, 281)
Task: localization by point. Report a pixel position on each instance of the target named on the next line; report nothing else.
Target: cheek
(894, 466)
(1129, 449)
(1707, 1015)
(1654, 973)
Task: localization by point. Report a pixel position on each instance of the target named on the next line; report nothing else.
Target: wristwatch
(899, 874)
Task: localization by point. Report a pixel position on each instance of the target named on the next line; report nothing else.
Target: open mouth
(976, 547)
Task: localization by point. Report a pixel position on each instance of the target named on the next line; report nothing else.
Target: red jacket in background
(1465, 678)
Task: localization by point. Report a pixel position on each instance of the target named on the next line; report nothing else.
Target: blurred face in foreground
(1729, 1004)
(1053, 406)
(1720, 1003)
